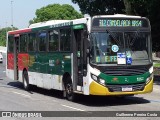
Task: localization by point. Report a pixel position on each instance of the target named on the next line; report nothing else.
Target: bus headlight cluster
(149, 78)
(102, 81)
(97, 79)
(151, 70)
(94, 77)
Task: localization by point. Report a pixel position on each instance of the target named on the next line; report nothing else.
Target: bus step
(79, 92)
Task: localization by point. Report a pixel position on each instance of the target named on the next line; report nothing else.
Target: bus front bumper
(98, 89)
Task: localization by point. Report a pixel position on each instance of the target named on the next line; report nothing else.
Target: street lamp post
(12, 14)
(6, 27)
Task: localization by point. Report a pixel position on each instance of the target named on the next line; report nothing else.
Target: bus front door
(78, 59)
(16, 50)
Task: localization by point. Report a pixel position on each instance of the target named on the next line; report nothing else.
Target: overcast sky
(24, 10)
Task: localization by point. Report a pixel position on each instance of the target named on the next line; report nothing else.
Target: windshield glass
(119, 48)
(137, 46)
(101, 47)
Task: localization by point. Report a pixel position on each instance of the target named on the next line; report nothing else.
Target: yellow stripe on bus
(97, 89)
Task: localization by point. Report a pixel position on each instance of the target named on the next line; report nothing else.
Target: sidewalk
(154, 57)
(3, 49)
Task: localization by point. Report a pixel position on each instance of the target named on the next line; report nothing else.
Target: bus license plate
(127, 88)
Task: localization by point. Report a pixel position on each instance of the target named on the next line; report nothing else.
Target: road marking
(22, 94)
(155, 89)
(155, 101)
(72, 107)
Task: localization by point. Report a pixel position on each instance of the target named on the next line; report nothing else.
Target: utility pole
(6, 27)
(12, 14)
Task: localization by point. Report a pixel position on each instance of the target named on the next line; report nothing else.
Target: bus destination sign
(109, 22)
(120, 23)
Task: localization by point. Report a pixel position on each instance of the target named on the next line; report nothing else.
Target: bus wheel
(70, 95)
(26, 81)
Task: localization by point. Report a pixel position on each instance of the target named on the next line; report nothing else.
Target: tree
(3, 34)
(145, 8)
(56, 12)
(137, 7)
(154, 16)
(149, 9)
(128, 8)
(100, 7)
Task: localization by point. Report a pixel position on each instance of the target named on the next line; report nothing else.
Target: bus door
(16, 50)
(79, 59)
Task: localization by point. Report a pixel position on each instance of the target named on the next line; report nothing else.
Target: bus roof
(118, 16)
(50, 24)
(46, 23)
(19, 31)
(60, 23)
(55, 22)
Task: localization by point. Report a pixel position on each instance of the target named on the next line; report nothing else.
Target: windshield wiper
(135, 36)
(113, 36)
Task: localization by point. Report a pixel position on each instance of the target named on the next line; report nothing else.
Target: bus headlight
(151, 70)
(97, 79)
(102, 81)
(149, 79)
(94, 77)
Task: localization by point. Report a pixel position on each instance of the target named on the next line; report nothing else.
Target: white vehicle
(1, 58)
(102, 55)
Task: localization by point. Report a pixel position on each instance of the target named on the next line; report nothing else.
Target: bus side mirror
(85, 33)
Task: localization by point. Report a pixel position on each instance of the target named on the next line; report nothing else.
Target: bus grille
(125, 71)
(118, 88)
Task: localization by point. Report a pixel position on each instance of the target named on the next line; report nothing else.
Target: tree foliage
(56, 12)
(149, 9)
(3, 34)
(100, 7)
(145, 8)
(154, 16)
(137, 7)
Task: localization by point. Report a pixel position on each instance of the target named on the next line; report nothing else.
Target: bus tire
(70, 95)
(26, 81)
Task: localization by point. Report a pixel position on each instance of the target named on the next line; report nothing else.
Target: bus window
(10, 44)
(23, 43)
(53, 40)
(32, 42)
(65, 40)
(42, 41)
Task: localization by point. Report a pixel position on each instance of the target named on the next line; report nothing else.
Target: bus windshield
(105, 47)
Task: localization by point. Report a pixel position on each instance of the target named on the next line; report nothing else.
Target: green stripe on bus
(81, 26)
(124, 79)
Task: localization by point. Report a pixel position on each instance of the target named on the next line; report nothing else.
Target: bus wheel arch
(25, 79)
(68, 85)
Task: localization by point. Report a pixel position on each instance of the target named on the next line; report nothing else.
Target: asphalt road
(14, 98)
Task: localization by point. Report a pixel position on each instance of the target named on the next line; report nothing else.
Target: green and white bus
(100, 55)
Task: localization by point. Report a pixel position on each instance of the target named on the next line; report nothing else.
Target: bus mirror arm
(86, 33)
(87, 52)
